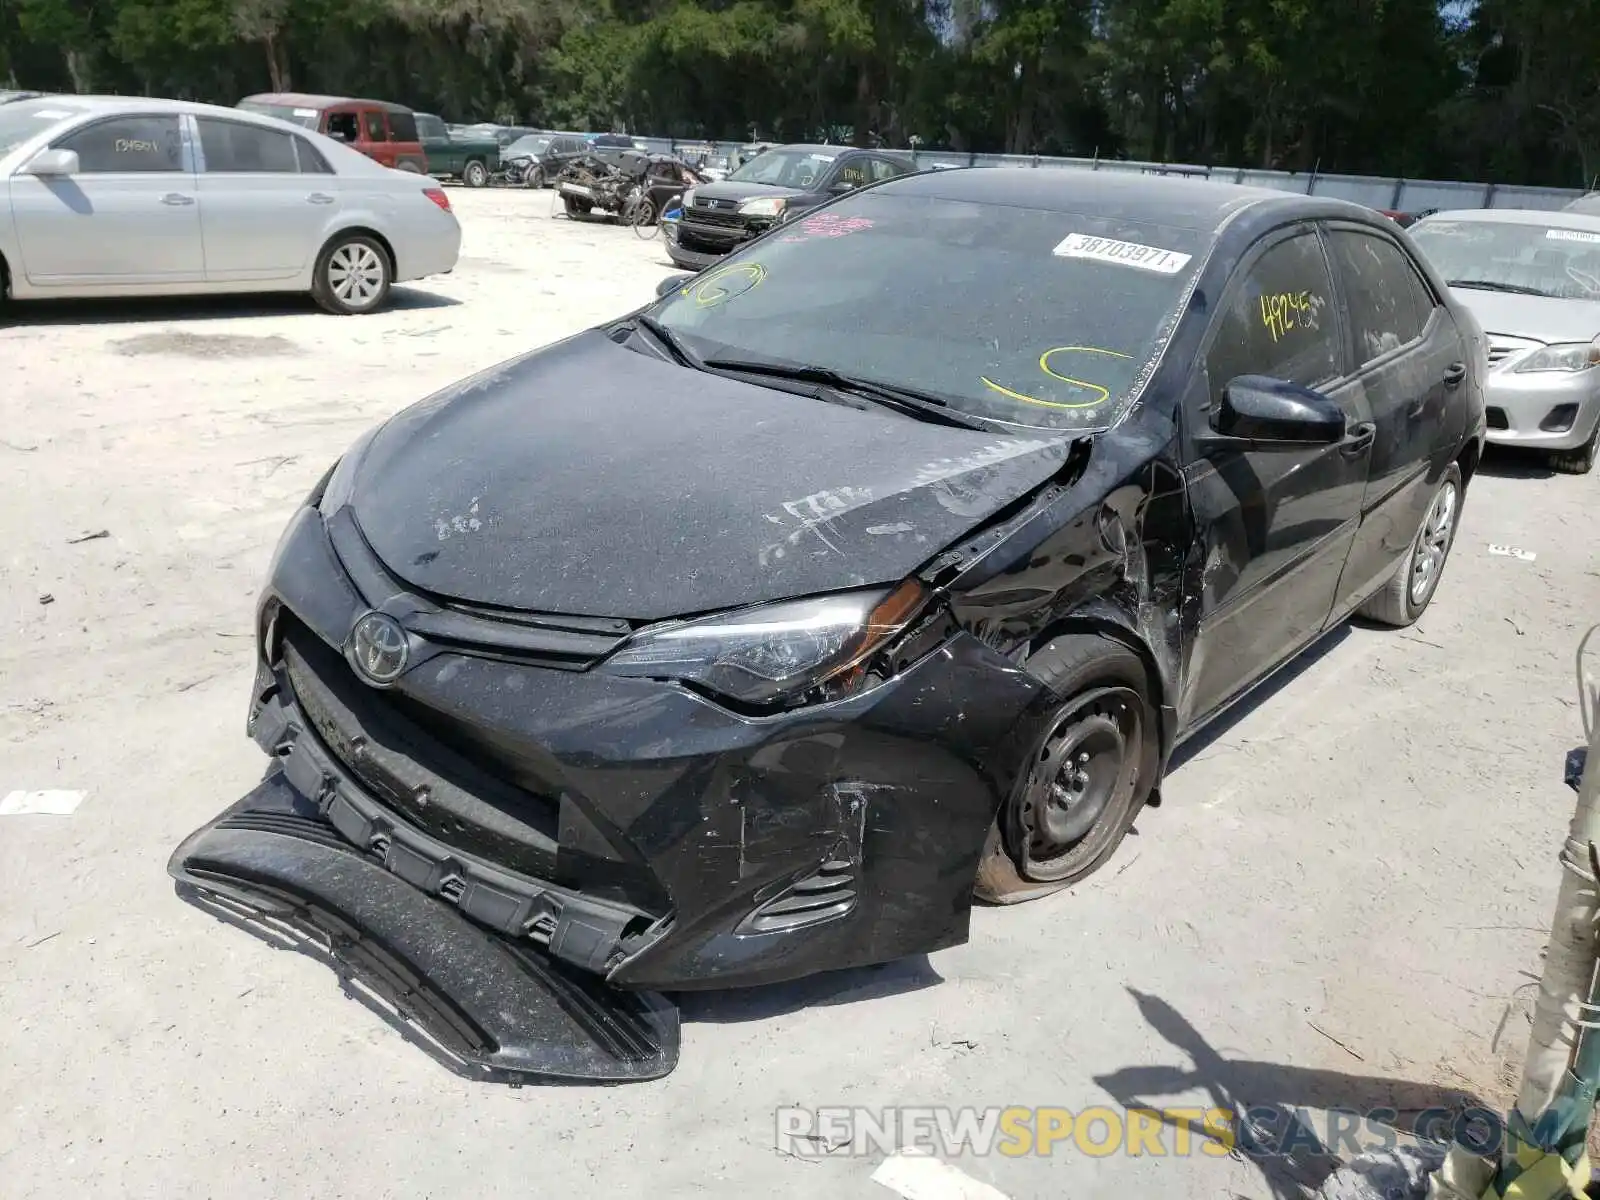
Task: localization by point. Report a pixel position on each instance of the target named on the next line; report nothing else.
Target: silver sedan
(124, 196)
(1532, 279)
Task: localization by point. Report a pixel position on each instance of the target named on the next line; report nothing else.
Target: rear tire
(410, 168)
(1581, 460)
(475, 174)
(1087, 774)
(353, 275)
(1405, 597)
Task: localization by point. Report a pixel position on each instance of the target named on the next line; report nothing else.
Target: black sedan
(771, 188)
(886, 563)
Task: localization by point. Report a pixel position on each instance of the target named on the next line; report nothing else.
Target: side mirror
(843, 186)
(51, 162)
(671, 284)
(1258, 408)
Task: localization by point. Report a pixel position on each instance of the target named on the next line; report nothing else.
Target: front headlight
(1564, 356)
(766, 206)
(777, 651)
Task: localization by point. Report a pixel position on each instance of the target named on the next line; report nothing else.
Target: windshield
(528, 145)
(784, 168)
(19, 121)
(1015, 315)
(306, 117)
(1545, 260)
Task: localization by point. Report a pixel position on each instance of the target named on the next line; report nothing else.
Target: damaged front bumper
(629, 827)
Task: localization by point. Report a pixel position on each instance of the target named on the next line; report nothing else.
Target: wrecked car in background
(607, 180)
(751, 634)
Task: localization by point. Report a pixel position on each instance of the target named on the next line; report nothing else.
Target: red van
(382, 131)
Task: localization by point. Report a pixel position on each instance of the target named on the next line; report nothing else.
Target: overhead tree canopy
(1497, 89)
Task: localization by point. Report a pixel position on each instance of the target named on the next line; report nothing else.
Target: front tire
(1581, 460)
(1088, 773)
(475, 174)
(1404, 598)
(534, 178)
(576, 208)
(353, 275)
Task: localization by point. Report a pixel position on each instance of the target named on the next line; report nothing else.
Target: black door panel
(1411, 365)
(1274, 524)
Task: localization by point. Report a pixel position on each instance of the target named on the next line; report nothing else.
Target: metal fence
(1400, 195)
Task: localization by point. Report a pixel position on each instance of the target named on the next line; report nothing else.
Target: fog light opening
(1559, 419)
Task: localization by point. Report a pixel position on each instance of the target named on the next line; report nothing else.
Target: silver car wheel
(355, 274)
(1433, 543)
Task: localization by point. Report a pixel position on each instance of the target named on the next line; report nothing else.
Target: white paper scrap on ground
(49, 803)
(1513, 552)
(917, 1175)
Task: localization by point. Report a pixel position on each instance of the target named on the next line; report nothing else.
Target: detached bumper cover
(491, 1008)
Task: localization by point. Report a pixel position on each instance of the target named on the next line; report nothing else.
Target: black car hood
(733, 190)
(590, 479)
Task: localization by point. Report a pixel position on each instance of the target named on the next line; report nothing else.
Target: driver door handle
(1359, 440)
(1454, 374)
(319, 198)
(177, 198)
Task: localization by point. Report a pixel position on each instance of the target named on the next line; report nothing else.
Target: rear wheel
(1581, 460)
(475, 174)
(1088, 773)
(1405, 596)
(410, 168)
(353, 275)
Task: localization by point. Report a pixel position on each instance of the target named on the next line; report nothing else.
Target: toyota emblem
(378, 647)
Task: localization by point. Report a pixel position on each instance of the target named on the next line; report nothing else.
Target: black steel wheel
(1088, 767)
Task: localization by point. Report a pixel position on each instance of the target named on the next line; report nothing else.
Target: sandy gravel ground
(1339, 904)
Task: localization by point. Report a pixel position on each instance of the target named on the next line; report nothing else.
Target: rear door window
(1388, 305)
(344, 126)
(231, 147)
(403, 127)
(372, 124)
(1280, 320)
(884, 168)
(127, 145)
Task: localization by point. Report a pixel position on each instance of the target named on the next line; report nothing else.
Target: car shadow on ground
(125, 311)
(1513, 462)
(1209, 735)
(815, 991)
(1277, 1120)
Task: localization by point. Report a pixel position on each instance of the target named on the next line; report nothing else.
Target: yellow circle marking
(1044, 366)
(708, 293)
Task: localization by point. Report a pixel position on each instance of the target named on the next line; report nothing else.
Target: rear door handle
(177, 198)
(319, 198)
(1454, 374)
(1359, 440)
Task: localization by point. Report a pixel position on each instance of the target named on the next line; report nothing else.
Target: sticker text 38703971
(1126, 254)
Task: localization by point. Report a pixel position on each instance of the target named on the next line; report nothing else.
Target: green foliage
(1505, 89)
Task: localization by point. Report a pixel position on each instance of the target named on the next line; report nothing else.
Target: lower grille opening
(1496, 418)
(409, 768)
(826, 894)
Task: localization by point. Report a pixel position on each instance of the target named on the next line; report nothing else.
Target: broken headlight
(773, 652)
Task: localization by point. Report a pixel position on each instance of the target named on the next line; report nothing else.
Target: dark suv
(535, 160)
(770, 188)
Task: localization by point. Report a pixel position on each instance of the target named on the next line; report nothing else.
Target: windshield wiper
(922, 405)
(673, 343)
(1489, 285)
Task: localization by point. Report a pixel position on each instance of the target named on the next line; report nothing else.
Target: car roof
(1519, 216)
(1179, 202)
(312, 100)
(109, 105)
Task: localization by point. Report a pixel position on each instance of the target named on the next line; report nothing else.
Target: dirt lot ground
(1336, 906)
